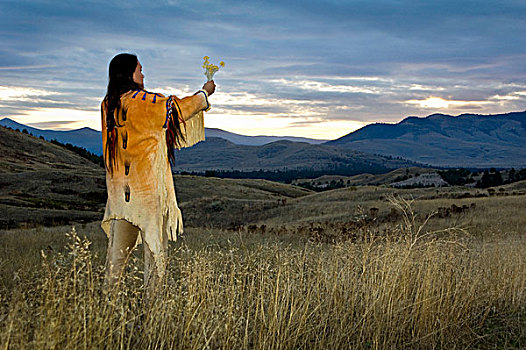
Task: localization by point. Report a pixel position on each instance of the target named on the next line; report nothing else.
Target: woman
(140, 131)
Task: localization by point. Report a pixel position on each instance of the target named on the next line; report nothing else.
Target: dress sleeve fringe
(180, 133)
(194, 130)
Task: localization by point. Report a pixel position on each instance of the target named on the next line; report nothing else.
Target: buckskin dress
(141, 188)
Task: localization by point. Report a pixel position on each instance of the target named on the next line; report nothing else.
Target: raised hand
(210, 87)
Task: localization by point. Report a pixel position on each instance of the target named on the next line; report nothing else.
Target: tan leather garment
(140, 187)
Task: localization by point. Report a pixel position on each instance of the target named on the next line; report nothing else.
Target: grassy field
(365, 267)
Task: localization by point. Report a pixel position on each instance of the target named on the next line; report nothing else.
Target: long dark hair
(120, 81)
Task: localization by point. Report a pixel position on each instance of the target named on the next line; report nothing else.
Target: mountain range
(221, 154)
(90, 139)
(467, 140)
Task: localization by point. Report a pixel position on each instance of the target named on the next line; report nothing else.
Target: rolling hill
(42, 183)
(220, 154)
(45, 184)
(365, 179)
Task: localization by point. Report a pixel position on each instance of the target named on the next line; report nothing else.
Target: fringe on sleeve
(194, 130)
(181, 134)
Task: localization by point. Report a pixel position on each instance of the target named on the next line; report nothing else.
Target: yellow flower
(211, 69)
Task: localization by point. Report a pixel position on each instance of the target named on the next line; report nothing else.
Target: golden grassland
(318, 271)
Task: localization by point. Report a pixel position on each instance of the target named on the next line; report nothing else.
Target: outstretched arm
(191, 105)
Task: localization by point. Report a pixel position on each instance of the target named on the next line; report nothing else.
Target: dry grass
(491, 216)
(413, 288)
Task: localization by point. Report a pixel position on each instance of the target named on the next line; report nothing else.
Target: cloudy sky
(308, 68)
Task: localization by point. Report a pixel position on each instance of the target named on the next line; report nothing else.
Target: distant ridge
(256, 140)
(467, 140)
